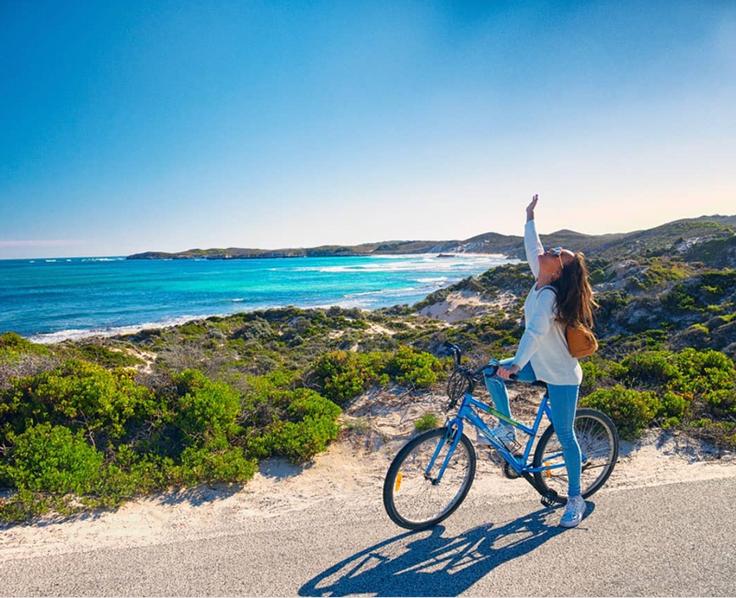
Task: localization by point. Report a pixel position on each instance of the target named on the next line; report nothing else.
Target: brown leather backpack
(581, 341)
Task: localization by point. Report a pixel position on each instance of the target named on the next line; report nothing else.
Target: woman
(561, 295)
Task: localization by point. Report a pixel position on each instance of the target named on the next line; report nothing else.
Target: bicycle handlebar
(457, 354)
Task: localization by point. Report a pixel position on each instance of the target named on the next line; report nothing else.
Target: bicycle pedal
(548, 502)
(552, 499)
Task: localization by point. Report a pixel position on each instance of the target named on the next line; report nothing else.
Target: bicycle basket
(457, 385)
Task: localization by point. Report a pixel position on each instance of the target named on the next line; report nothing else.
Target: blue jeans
(563, 400)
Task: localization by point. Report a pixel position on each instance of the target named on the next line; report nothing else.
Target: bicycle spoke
(418, 499)
(597, 448)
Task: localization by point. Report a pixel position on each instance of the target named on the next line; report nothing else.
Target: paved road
(666, 540)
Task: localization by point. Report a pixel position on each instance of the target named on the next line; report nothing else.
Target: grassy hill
(659, 239)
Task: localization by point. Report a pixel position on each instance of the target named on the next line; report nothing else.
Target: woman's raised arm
(532, 244)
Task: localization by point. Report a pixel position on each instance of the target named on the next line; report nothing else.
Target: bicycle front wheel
(598, 440)
(414, 498)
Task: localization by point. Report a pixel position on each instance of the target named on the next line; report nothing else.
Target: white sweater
(543, 342)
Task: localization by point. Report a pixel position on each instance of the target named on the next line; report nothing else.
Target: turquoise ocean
(53, 299)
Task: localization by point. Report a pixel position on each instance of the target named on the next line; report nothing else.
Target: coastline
(348, 301)
(52, 338)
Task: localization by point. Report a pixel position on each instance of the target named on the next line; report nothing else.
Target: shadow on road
(429, 563)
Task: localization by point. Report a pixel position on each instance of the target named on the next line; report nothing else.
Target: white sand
(462, 305)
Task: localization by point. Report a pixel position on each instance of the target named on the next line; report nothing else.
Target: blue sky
(127, 126)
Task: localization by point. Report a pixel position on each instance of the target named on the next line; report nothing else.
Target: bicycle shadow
(427, 563)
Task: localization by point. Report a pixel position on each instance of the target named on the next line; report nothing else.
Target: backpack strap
(554, 290)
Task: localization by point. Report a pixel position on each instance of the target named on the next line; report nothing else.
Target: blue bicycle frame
(466, 413)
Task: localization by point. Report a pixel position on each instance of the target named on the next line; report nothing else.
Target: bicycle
(425, 485)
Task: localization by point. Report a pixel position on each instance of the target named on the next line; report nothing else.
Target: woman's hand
(507, 372)
(531, 206)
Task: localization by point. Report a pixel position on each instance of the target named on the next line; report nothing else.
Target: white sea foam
(414, 263)
(402, 262)
(78, 333)
(384, 292)
(350, 303)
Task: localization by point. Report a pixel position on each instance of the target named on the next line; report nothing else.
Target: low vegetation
(672, 389)
(93, 423)
(428, 421)
(80, 435)
(76, 434)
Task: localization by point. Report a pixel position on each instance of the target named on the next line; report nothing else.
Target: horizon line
(66, 257)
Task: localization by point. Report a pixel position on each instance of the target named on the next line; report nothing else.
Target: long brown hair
(575, 301)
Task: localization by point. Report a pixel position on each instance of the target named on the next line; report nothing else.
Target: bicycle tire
(389, 483)
(541, 480)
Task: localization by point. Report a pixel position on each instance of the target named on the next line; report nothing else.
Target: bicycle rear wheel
(598, 440)
(415, 500)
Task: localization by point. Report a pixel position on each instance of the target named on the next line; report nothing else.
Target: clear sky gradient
(127, 126)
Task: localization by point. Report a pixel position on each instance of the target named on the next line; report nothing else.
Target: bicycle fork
(454, 433)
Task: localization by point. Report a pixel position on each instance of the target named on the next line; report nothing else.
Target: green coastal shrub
(192, 329)
(598, 371)
(679, 299)
(46, 458)
(428, 421)
(683, 384)
(309, 424)
(81, 436)
(300, 441)
(308, 403)
(105, 356)
(131, 473)
(79, 395)
(651, 368)
(414, 368)
(214, 462)
(207, 409)
(13, 346)
(631, 410)
(689, 371)
(704, 371)
(657, 272)
(265, 400)
(721, 403)
(673, 406)
(342, 375)
(208, 413)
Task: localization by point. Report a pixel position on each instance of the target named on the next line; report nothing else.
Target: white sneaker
(503, 432)
(574, 511)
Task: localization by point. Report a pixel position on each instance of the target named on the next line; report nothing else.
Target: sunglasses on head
(556, 251)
